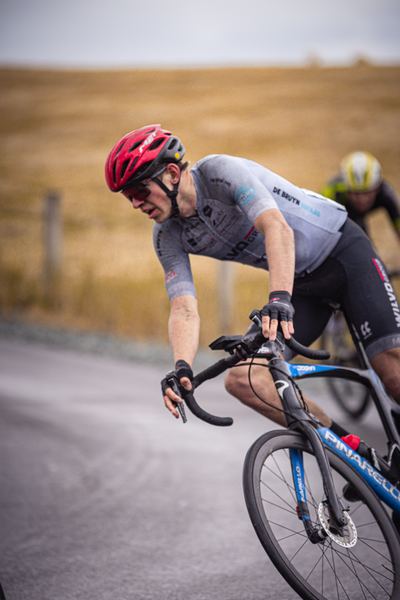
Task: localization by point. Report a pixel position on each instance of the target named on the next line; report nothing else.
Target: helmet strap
(172, 194)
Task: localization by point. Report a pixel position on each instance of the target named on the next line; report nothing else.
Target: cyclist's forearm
(281, 270)
(279, 247)
(184, 328)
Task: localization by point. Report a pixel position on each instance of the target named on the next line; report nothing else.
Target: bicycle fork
(297, 418)
(336, 510)
(316, 535)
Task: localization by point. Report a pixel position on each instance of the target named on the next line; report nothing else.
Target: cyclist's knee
(392, 384)
(260, 396)
(237, 382)
(387, 366)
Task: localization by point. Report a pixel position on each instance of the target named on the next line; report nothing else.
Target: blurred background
(294, 86)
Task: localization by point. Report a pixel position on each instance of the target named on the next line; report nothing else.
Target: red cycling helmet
(141, 155)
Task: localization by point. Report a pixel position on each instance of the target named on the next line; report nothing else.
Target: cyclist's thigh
(369, 301)
(310, 319)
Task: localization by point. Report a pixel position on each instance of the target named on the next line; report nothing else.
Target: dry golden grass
(57, 128)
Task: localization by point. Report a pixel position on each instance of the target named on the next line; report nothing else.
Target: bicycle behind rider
(232, 208)
(360, 187)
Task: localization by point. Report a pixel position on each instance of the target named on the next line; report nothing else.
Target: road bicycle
(327, 517)
(338, 338)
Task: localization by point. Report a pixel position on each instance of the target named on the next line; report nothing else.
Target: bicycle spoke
(332, 568)
(282, 478)
(353, 563)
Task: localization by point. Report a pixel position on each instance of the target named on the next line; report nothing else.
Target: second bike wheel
(336, 569)
(352, 397)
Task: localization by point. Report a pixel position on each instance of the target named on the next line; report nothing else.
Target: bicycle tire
(352, 397)
(370, 569)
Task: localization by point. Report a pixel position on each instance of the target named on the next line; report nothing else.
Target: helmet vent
(124, 167)
(133, 163)
(135, 145)
(156, 144)
(119, 149)
(143, 169)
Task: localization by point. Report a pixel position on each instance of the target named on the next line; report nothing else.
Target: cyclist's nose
(137, 203)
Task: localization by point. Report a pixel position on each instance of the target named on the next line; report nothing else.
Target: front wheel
(366, 567)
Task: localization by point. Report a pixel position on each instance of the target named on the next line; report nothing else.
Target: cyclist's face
(150, 198)
(362, 201)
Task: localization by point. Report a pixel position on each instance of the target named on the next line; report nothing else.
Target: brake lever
(255, 316)
(173, 383)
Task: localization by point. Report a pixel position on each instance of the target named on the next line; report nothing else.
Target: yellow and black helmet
(361, 172)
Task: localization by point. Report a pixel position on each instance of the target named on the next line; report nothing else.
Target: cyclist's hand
(278, 310)
(184, 375)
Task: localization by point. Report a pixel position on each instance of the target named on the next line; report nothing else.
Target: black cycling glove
(279, 307)
(182, 369)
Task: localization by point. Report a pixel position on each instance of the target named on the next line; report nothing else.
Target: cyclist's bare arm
(279, 247)
(184, 328)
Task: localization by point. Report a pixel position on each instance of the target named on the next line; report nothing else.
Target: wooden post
(225, 296)
(52, 243)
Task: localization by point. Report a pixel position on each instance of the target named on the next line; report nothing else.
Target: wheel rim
(353, 397)
(363, 569)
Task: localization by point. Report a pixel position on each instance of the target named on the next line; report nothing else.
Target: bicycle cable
(267, 366)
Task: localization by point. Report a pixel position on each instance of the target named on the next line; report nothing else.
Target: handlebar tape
(216, 369)
(307, 352)
(202, 414)
(210, 373)
(224, 364)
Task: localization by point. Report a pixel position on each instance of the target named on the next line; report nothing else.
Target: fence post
(52, 243)
(225, 296)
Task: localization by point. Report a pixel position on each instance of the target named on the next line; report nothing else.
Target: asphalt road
(103, 495)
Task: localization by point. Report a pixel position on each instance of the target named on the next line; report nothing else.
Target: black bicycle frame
(388, 410)
(298, 419)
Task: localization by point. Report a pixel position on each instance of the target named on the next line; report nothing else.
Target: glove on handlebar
(279, 307)
(182, 369)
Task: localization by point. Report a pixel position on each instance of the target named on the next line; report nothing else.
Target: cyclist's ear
(173, 172)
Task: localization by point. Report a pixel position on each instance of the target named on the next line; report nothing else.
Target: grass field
(57, 128)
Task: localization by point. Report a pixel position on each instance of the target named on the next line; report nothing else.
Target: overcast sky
(131, 33)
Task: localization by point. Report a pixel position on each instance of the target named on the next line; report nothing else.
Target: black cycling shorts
(354, 279)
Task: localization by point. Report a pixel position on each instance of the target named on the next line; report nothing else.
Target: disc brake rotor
(347, 537)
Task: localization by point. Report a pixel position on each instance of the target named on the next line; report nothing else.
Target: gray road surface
(103, 495)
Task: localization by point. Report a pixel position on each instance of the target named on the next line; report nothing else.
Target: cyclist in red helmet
(234, 209)
(139, 158)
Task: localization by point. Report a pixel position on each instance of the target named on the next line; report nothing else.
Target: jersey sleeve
(236, 181)
(174, 260)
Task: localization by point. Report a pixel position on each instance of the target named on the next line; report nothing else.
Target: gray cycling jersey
(231, 193)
